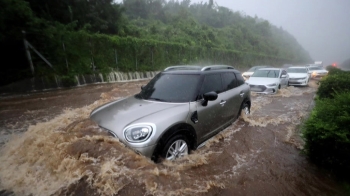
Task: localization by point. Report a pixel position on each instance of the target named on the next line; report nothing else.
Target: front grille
(296, 78)
(295, 82)
(257, 88)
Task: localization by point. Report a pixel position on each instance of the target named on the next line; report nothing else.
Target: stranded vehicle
(177, 111)
(268, 80)
(298, 76)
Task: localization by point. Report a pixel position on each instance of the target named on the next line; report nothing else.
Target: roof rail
(183, 67)
(216, 67)
(199, 68)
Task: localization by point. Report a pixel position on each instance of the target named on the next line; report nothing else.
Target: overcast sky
(322, 27)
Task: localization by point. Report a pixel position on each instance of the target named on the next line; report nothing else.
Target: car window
(211, 83)
(315, 68)
(297, 70)
(266, 73)
(171, 88)
(229, 81)
(252, 69)
(284, 72)
(255, 68)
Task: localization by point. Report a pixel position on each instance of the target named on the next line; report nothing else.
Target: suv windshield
(266, 73)
(297, 70)
(171, 88)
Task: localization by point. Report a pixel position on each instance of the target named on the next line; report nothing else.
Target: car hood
(247, 73)
(115, 116)
(297, 75)
(319, 71)
(262, 81)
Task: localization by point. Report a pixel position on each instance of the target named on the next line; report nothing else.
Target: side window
(229, 81)
(284, 72)
(211, 83)
(240, 79)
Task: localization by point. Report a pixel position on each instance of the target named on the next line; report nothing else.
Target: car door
(232, 95)
(308, 73)
(209, 117)
(284, 81)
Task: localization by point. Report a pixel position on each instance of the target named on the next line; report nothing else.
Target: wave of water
(70, 154)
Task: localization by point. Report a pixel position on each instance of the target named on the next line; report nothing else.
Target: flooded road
(50, 147)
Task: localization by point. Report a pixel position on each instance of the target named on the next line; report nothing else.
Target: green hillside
(81, 37)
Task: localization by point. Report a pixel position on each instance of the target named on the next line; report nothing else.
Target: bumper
(263, 89)
(298, 82)
(315, 76)
(146, 151)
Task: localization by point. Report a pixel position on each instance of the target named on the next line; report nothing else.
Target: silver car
(317, 72)
(250, 71)
(298, 76)
(268, 80)
(177, 111)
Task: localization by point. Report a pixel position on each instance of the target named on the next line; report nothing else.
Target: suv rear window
(171, 88)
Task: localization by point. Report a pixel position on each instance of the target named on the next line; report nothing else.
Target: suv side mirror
(210, 96)
(283, 76)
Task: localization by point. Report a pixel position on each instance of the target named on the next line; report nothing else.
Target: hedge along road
(52, 148)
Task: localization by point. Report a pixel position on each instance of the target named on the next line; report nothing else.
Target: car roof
(261, 66)
(270, 68)
(198, 69)
(298, 67)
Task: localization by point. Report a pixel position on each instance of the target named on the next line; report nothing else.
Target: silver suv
(177, 111)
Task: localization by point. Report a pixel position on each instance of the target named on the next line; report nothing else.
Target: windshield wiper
(156, 99)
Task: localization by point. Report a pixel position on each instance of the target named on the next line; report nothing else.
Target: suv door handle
(241, 94)
(222, 103)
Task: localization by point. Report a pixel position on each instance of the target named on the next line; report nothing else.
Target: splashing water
(70, 154)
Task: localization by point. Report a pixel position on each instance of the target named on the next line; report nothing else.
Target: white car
(268, 80)
(250, 72)
(298, 76)
(317, 72)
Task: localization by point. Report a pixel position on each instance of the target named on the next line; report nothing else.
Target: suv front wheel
(175, 148)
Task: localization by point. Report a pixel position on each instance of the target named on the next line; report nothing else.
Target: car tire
(176, 147)
(245, 108)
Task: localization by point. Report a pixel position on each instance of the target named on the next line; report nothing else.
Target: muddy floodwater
(48, 146)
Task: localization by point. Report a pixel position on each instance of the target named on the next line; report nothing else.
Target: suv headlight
(274, 84)
(138, 132)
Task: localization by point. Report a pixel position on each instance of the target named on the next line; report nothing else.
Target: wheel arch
(178, 129)
(246, 100)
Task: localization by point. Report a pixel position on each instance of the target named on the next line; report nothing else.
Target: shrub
(327, 133)
(333, 70)
(338, 81)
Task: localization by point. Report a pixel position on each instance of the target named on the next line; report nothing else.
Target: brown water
(52, 148)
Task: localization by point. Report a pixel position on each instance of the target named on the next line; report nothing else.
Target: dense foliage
(77, 36)
(338, 81)
(327, 131)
